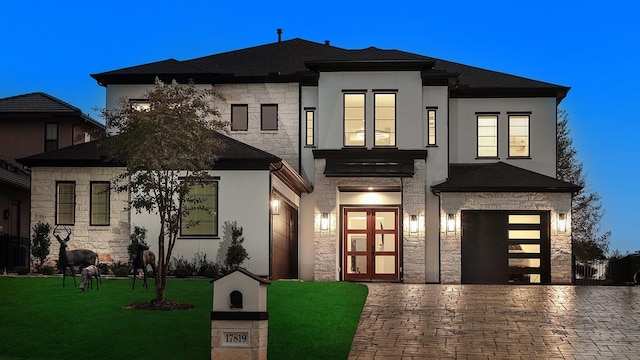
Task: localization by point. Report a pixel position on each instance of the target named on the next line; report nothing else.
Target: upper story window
(100, 195)
(431, 127)
(201, 205)
(354, 119)
(239, 117)
(488, 136)
(140, 104)
(309, 115)
(50, 136)
(385, 119)
(269, 116)
(519, 136)
(65, 203)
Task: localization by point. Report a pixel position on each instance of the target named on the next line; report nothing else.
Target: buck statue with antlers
(71, 258)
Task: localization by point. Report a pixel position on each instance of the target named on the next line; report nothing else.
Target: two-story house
(31, 124)
(399, 166)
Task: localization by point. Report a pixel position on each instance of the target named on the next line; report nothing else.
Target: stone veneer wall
(326, 243)
(285, 141)
(456, 202)
(110, 242)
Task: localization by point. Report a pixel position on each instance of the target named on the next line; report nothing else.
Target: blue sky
(591, 46)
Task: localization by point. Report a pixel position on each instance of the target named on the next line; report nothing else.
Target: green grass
(39, 319)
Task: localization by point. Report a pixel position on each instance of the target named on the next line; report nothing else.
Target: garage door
(500, 247)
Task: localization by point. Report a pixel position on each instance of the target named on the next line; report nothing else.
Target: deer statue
(71, 258)
(143, 258)
(88, 274)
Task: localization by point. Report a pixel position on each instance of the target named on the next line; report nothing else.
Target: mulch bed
(160, 305)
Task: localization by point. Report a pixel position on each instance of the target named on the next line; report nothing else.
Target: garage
(505, 247)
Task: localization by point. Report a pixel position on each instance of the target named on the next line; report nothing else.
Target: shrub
(40, 243)
(103, 268)
(236, 254)
(139, 236)
(182, 268)
(47, 270)
(206, 268)
(121, 270)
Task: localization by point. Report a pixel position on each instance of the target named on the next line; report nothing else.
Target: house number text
(235, 339)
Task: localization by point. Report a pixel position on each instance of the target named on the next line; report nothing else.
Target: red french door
(370, 244)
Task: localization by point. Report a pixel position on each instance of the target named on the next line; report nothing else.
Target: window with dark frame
(431, 127)
(65, 203)
(239, 117)
(100, 199)
(201, 205)
(487, 136)
(309, 116)
(269, 116)
(354, 119)
(385, 119)
(50, 136)
(519, 136)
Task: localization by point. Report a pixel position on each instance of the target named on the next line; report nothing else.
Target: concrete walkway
(403, 321)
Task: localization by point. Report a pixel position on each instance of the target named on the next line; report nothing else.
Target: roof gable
(41, 103)
(232, 155)
(500, 177)
(298, 59)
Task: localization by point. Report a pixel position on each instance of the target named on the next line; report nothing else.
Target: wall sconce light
(275, 206)
(413, 224)
(451, 222)
(324, 222)
(562, 222)
(6, 214)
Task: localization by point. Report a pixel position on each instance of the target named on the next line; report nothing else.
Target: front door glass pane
(385, 264)
(356, 264)
(357, 242)
(357, 220)
(385, 242)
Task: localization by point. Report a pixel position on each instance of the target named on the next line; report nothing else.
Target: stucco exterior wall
(542, 127)
(454, 203)
(110, 242)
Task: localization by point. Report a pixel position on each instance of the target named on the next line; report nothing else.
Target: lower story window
(65, 203)
(201, 211)
(100, 194)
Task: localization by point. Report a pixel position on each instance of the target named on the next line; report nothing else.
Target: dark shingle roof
(500, 177)
(41, 103)
(293, 59)
(233, 155)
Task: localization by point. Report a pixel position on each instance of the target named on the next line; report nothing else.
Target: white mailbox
(239, 320)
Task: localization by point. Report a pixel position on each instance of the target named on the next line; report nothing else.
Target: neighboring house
(31, 124)
(409, 168)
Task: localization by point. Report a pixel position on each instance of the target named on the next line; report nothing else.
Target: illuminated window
(65, 203)
(488, 136)
(269, 116)
(201, 206)
(431, 126)
(140, 105)
(50, 136)
(385, 119)
(100, 194)
(310, 120)
(354, 134)
(239, 117)
(519, 135)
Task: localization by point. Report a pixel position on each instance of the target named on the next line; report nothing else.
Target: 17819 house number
(239, 339)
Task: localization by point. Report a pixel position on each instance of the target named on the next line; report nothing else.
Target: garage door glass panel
(524, 234)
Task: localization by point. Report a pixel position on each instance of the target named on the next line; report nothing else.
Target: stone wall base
(254, 349)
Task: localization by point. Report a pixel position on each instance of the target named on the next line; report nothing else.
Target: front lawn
(42, 320)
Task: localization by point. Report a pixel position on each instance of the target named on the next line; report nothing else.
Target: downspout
(439, 235)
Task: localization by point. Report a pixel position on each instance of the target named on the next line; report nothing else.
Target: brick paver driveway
(402, 321)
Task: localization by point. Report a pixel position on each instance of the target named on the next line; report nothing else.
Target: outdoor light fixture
(413, 224)
(324, 222)
(451, 222)
(275, 206)
(562, 222)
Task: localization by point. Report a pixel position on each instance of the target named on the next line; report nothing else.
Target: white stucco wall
(110, 242)
(542, 126)
(243, 197)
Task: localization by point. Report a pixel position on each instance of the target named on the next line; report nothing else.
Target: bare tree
(586, 208)
(167, 144)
